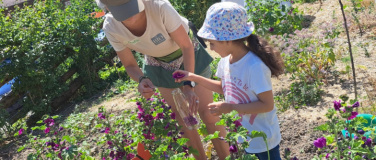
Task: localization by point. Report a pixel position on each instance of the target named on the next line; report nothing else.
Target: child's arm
(210, 84)
(265, 104)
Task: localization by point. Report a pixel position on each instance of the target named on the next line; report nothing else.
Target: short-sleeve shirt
(161, 18)
(242, 81)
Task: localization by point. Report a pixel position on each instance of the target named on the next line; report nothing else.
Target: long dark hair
(266, 53)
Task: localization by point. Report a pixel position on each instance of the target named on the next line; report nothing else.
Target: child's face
(220, 47)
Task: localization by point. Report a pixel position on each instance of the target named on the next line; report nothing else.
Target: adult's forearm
(189, 59)
(134, 72)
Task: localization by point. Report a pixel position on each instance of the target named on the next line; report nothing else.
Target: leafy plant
(273, 17)
(354, 144)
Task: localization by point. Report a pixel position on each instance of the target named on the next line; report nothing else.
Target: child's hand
(181, 75)
(217, 108)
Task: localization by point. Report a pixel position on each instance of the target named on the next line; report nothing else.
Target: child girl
(245, 70)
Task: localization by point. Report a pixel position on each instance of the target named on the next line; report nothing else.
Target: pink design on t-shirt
(237, 96)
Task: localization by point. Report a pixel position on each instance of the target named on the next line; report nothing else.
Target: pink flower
(237, 123)
(356, 104)
(178, 75)
(49, 121)
(353, 115)
(101, 116)
(20, 131)
(107, 130)
(172, 115)
(47, 130)
(320, 142)
(337, 105)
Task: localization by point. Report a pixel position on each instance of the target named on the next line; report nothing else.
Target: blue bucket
(367, 134)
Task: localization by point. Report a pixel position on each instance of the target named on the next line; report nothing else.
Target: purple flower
(60, 129)
(130, 156)
(101, 116)
(320, 142)
(169, 134)
(20, 131)
(361, 131)
(109, 143)
(271, 29)
(337, 105)
(49, 121)
(167, 125)
(190, 120)
(294, 158)
(368, 142)
(353, 115)
(55, 133)
(178, 75)
(356, 137)
(47, 130)
(233, 149)
(327, 156)
(159, 116)
(356, 104)
(172, 115)
(107, 130)
(237, 123)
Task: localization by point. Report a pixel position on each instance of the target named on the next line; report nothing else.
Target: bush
(193, 10)
(43, 42)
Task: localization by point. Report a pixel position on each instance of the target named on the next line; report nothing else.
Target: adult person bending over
(155, 29)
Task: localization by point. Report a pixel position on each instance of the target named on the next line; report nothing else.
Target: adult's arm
(146, 87)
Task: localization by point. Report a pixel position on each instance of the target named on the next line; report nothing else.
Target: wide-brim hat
(124, 9)
(226, 21)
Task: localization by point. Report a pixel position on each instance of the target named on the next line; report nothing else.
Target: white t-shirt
(162, 19)
(241, 82)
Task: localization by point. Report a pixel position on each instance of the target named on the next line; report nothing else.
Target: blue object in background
(6, 88)
(370, 122)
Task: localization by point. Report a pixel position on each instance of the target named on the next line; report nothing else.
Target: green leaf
(21, 148)
(344, 7)
(323, 127)
(211, 136)
(182, 141)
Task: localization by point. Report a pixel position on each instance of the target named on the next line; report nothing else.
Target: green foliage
(305, 1)
(270, 17)
(110, 135)
(44, 41)
(193, 10)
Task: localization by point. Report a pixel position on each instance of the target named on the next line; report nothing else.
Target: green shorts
(163, 78)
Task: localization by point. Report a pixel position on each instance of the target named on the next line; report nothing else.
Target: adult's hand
(192, 99)
(146, 88)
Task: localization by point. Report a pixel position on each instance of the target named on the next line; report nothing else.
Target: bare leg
(206, 97)
(192, 135)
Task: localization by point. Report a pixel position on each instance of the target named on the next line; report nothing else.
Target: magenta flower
(130, 156)
(47, 130)
(237, 123)
(356, 104)
(177, 75)
(109, 143)
(353, 115)
(233, 149)
(159, 116)
(271, 29)
(49, 121)
(107, 130)
(337, 105)
(327, 156)
(172, 115)
(20, 131)
(320, 142)
(101, 116)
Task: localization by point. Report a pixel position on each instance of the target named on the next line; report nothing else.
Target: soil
(296, 124)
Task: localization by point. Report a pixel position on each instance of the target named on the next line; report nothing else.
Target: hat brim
(126, 10)
(209, 33)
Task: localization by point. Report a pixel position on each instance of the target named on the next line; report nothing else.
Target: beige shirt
(162, 19)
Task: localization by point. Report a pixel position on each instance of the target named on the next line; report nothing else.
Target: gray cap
(124, 9)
